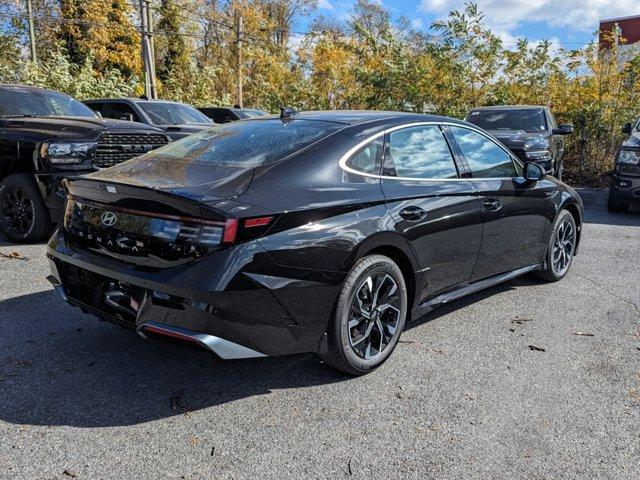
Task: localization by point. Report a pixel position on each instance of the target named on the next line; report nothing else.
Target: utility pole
(147, 58)
(152, 49)
(239, 28)
(32, 32)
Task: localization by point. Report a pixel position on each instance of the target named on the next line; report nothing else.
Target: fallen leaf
(520, 321)
(13, 256)
(213, 450)
(70, 473)
(536, 349)
(349, 467)
(584, 334)
(399, 395)
(193, 441)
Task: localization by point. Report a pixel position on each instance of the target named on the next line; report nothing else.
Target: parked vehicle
(46, 136)
(228, 114)
(625, 184)
(379, 222)
(178, 120)
(530, 132)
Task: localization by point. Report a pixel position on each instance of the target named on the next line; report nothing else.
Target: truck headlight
(67, 153)
(538, 155)
(629, 157)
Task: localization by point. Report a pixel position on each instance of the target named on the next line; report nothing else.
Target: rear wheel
(562, 246)
(23, 215)
(369, 316)
(614, 205)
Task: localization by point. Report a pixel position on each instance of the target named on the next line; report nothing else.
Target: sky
(567, 23)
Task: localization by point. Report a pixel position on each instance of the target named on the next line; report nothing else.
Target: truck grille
(114, 148)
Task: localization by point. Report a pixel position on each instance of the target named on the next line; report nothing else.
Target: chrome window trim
(346, 157)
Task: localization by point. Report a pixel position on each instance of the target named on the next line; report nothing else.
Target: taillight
(257, 222)
(230, 230)
(239, 230)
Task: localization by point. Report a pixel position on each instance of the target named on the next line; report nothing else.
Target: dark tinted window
(41, 103)
(419, 152)
(247, 144)
(485, 158)
(165, 113)
(116, 110)
(530, 120)
(367, 158)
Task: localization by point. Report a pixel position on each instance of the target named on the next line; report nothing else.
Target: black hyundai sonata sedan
(313, 232)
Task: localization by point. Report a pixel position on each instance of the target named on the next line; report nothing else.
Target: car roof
(132, 99)
(27, 88)
(509, 107)
(355, 117)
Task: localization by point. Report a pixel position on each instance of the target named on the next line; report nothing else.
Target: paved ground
(462, 397)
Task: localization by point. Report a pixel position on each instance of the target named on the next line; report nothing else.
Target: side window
(97, 107)
(419, 152)
(486, 159)
(367, 159)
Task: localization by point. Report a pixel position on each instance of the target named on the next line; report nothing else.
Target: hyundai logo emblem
(108, 219)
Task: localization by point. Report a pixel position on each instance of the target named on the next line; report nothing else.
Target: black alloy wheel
(562, 247)
(369, 317)
(23, 215)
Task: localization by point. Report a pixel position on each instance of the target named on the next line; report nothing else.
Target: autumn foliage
(370, 61)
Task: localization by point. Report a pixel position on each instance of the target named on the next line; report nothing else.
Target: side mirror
(127, 116)
(627, 128)
(98, 114)
(563, 130)
(533, 172)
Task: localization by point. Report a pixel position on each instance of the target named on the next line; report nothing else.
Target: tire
(561, 249)
(614, 206)
(358, 348)
(31, 222)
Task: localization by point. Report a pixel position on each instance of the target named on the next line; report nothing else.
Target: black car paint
(131, 107)
(520, 142)
(20, 140)
(228, 114)
(625, 184)
(275, 293)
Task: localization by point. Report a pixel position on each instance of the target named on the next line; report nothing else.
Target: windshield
(162, 113)
(245, 144)
(251, 113)
(41, 103)
(525, 120)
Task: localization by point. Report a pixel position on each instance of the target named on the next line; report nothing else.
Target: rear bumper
(230, 302)
(626, 188)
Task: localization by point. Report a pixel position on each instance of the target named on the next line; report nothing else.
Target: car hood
(520, 140)
(187, 127)
(197, 180)
(73, 127)
(633, 141)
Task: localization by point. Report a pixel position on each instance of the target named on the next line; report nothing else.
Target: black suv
(531, 132)
(178, 120)
(625, 185)
(228, 114)
(46, 136)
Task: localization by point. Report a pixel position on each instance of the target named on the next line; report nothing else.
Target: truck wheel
(24, 218)
(616, 206)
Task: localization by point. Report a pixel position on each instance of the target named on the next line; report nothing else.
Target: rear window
(247, 144)
(530, 120)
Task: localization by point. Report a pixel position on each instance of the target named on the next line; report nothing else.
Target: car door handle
(492, 205)
(413, 213)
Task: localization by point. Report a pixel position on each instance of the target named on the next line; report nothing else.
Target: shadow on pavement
(60, 367)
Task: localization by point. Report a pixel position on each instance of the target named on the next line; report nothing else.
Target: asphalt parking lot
(463, 396)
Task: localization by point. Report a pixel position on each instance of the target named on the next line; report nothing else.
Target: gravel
(463, 396)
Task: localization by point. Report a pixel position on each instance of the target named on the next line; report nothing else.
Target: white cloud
(416, 23)
(325, 5)
(506, 15)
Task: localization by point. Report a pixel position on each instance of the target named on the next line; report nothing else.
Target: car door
(437, 212)
(514, 209)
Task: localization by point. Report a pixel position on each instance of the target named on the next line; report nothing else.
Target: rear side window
(367, 159)
(247, 144)
(419, 152)
(485, 158)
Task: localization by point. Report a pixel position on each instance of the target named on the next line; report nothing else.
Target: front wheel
(24, 218)
(562, 247)
(369, 316)
(616, 206)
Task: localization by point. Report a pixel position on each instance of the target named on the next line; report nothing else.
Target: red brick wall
(630, 30)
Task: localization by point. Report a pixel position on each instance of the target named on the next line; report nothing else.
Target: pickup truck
(178, 120)
(530, 132)
(45, 137)
(625, 184)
